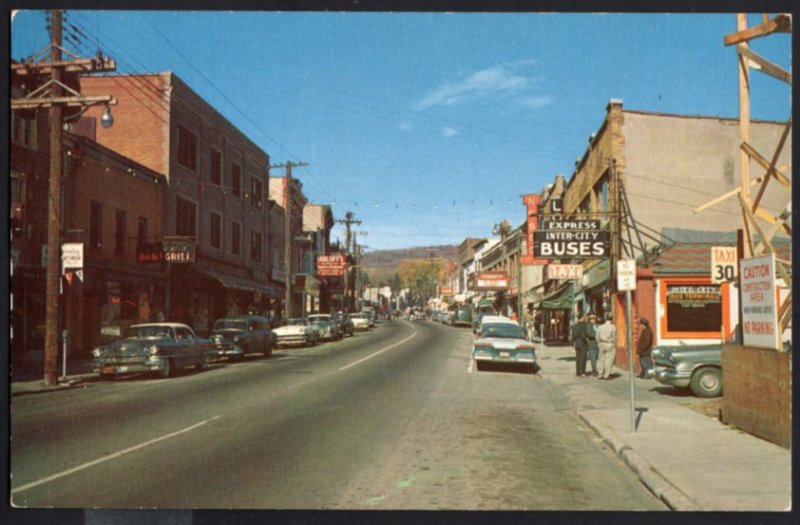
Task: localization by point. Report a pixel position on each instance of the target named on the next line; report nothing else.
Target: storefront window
(110, 312)
(694, 308)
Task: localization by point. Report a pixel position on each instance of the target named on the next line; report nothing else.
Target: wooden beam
(81, 65)
(756, 156)
(780, 24)
(765, 65)
(32, 103)
(785, 275)
(725, 196)
(771, 167)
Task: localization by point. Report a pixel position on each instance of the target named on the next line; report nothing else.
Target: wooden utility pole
(347, 221)
(55, 100)
(288, 233)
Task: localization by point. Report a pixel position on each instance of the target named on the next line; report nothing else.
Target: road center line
(109, 457)
(412, 336)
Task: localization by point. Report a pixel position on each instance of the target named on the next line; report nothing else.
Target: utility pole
(347, 221)
(288, 234)
(57, 68)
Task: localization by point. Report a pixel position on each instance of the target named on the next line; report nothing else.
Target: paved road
(391, 419)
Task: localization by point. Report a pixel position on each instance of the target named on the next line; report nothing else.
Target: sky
(429, 127)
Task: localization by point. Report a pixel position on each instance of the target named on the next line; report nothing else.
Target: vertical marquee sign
(532, 202)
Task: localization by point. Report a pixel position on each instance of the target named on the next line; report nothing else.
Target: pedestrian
(607, 347)
(580, 341)
(644, 347)
(591, 336)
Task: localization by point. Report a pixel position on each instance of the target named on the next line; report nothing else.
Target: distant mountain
(391, 258)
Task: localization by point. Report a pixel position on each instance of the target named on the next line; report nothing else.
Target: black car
(235, 337)
(346, 326)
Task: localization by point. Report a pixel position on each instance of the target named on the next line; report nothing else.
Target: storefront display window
(694, 308)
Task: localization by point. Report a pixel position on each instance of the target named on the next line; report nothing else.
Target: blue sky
(428, 126)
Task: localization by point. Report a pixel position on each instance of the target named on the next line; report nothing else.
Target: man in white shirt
(607, 347)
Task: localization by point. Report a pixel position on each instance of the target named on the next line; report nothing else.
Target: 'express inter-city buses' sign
(582, 239)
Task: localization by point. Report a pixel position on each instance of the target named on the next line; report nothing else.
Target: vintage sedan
(346, 326)
(503, 343)
(296, 331)
(694, 367)
(234, 337)
(360, 322)
(327, 327)
(161, 348)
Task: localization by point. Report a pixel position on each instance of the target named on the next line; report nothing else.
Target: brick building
(110, 205)
(217, 198)
(301, 243)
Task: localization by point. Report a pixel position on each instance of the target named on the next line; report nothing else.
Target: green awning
(597, 274)
(559, 299)
(486, 302)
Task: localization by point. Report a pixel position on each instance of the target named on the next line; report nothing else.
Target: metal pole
(631, 373)
(288, 244)
(519, 277)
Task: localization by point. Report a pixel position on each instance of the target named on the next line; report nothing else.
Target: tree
(422, 276)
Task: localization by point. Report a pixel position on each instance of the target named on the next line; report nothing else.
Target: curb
(649, 476)
(23, 388)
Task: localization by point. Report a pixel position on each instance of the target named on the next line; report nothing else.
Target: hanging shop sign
(489, 281)
(579, 244)
(331, 265)
(759, 302)
(531, 202)
(150, 252)
(446, 290)
(71, 255)
(179, 251)
(723, 264)
(564, 271)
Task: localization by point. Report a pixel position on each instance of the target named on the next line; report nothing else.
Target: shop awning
(486, 302)
(597, 274)
(238, 283)
(559, 299)
(534, 293)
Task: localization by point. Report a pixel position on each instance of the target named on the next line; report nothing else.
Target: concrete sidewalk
(691, 461)
(27, 375)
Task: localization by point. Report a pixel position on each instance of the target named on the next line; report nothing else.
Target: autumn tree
(422, 277)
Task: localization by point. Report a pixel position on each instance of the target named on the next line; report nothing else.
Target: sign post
(626, 280)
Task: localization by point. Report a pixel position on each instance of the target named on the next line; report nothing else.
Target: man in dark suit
(581, 341)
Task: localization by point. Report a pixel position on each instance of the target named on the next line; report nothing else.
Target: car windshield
(319, 318)
(149, 332)
(297, 321)
(506, 331)
(230, 324)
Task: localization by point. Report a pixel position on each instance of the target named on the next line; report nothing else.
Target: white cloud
(497, 80)
(535, 102)
(449, 132)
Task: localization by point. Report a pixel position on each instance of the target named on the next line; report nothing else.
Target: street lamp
(107, 120)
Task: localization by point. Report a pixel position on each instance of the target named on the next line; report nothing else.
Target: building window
(256, 192)
(694, 308)
(236, 180)
(216, 167)
(141, 237)
(23, 130)
(216, 230)
(187, 148)
(185, 218)
(236, 238)
(255, 246)
(120, 236)
(17, 201)
(95, 225)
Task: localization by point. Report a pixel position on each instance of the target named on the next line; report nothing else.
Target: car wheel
(106, 377)
(267, 350)
(707, 382)
(480, 365)
(169, 369)
(200, 366)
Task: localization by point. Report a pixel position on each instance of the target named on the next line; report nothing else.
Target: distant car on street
(345, 323)
(360, 322)
(494, 319)
(296, 331)
(691, 367)
(234, 337)
(327, 327)
(161, 348)
(503, 343)
(462, 316)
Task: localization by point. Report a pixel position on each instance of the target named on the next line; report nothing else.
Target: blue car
(503, 343)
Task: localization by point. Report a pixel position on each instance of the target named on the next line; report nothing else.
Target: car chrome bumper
(671, 377)
(121, 366)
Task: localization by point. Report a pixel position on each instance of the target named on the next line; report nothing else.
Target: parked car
(296, 331)
(694, 367)
(462, 316)
(360, 322)
(162, 348)
(494, 319)
(327, 327)
(345, 323)
(371, 313)
(234, 337)
(503, 343)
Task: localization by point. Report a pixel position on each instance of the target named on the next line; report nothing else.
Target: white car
(296, 331)
(360, 322)
(494, 319)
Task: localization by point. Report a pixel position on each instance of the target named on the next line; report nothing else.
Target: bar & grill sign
(581, 239)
